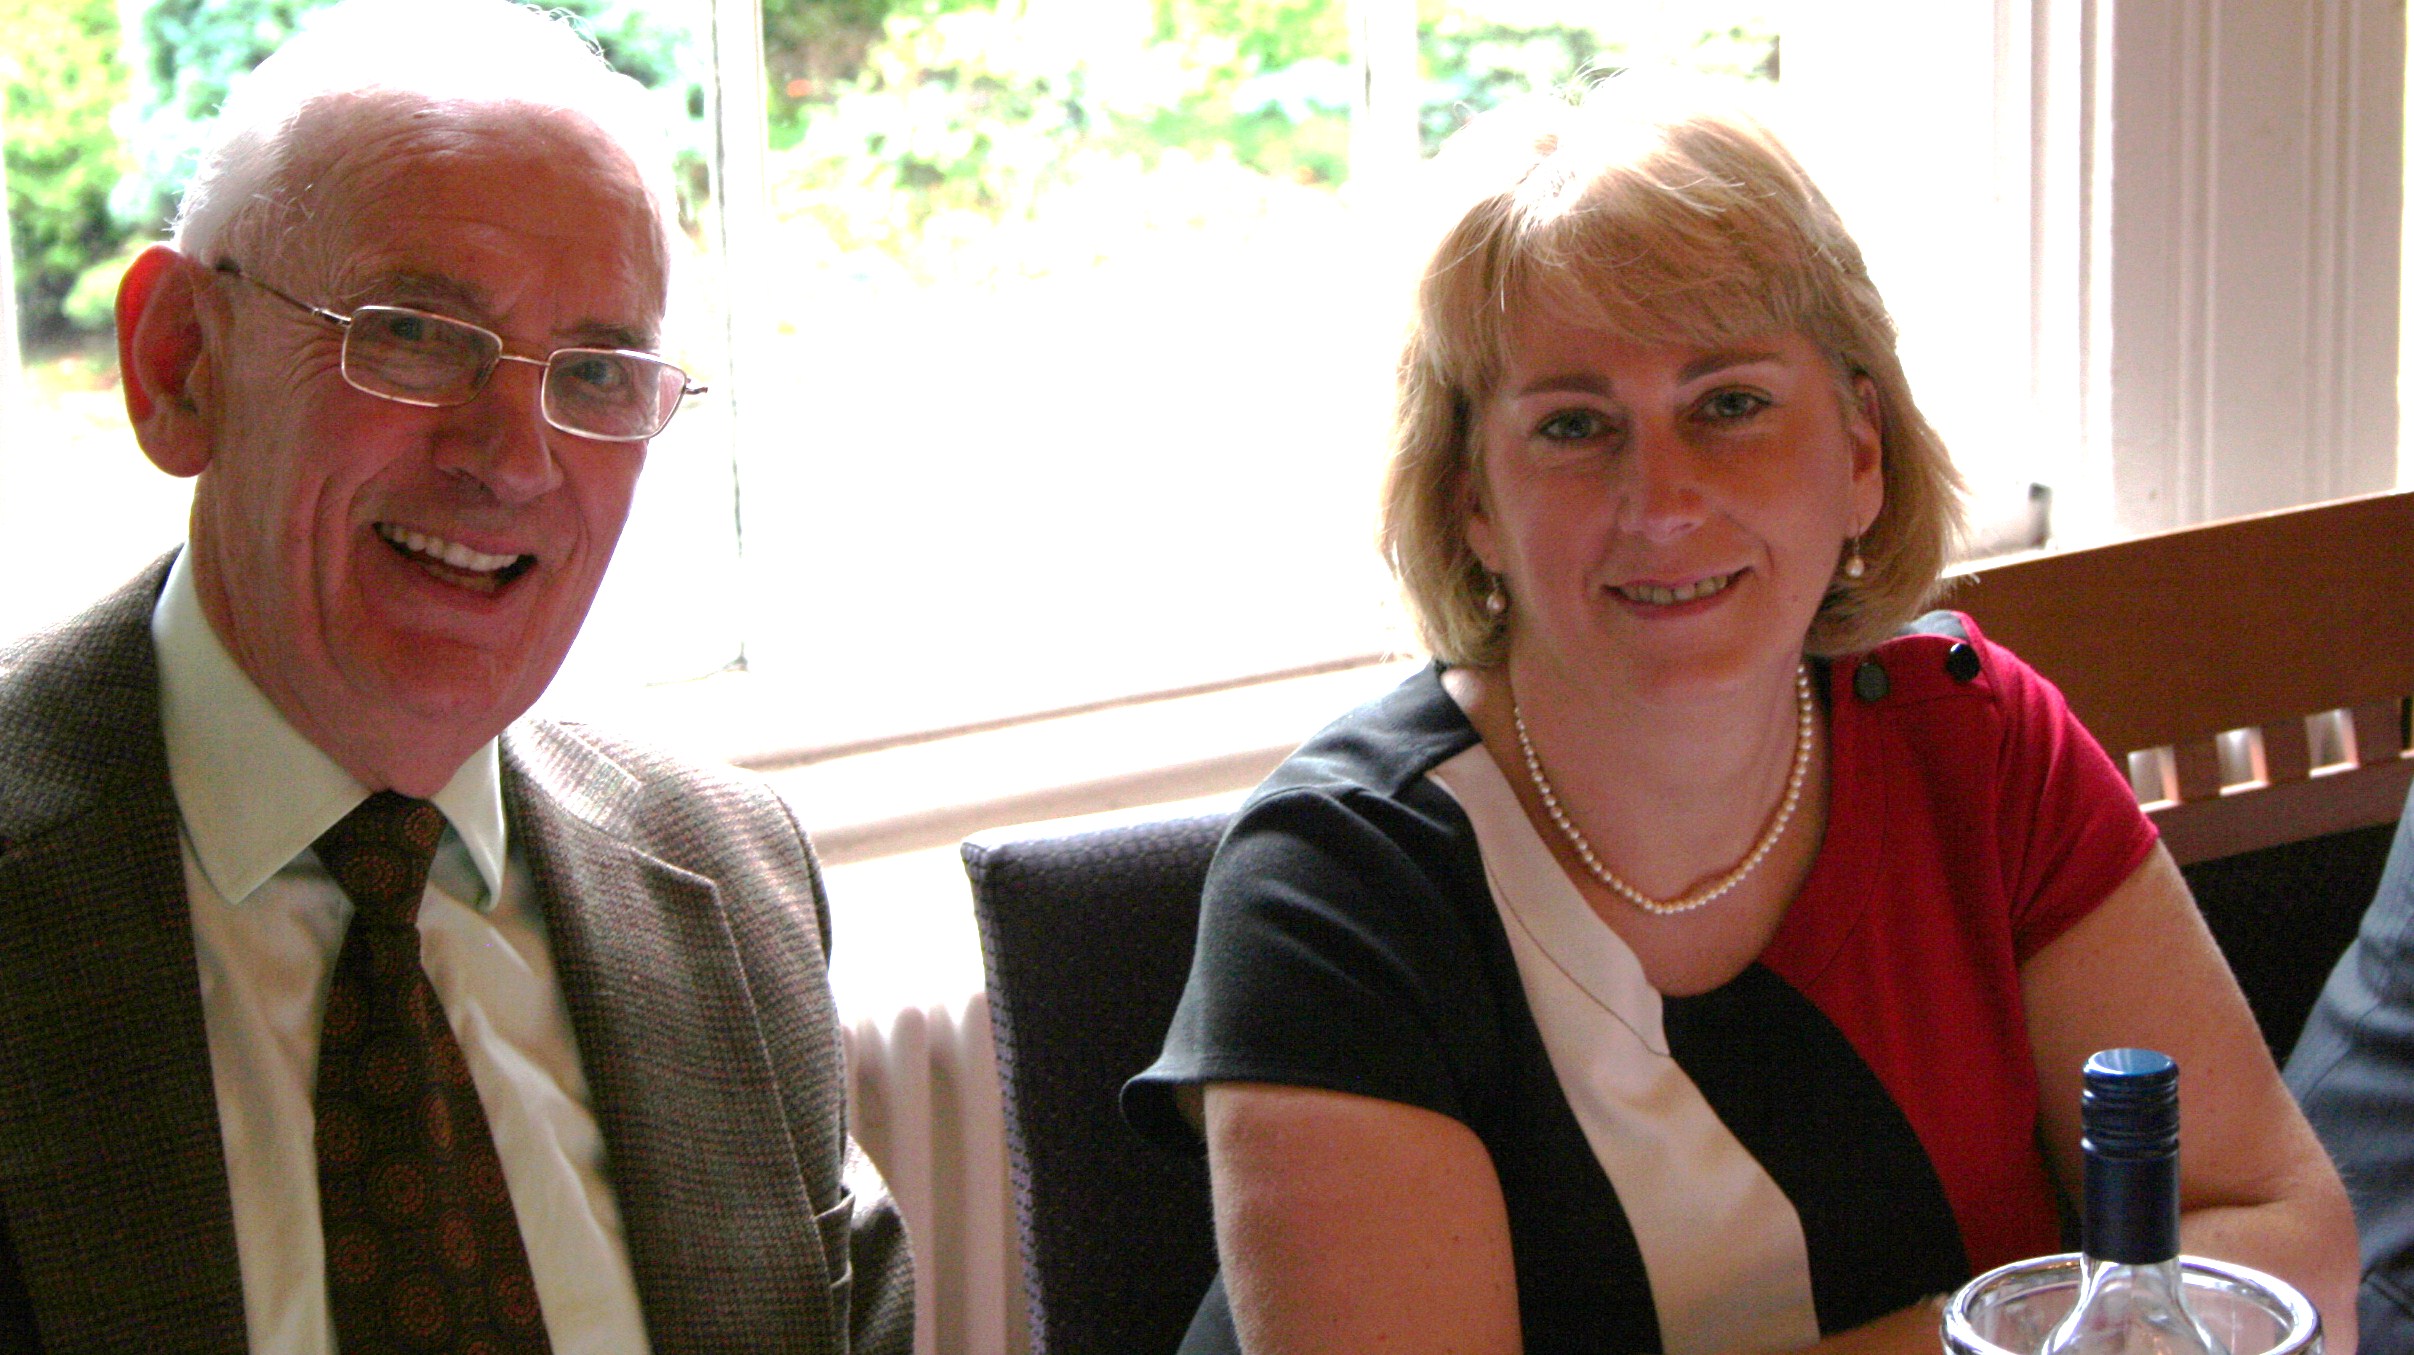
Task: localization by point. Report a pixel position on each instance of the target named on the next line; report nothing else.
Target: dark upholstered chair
(1087, 938)
(2261, 625)
(2284, 915)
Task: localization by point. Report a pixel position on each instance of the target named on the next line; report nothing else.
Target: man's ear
(162, 361)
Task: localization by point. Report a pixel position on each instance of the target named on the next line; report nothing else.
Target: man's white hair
(356, 72)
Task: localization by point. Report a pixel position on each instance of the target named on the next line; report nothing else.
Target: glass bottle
(2131, 1297)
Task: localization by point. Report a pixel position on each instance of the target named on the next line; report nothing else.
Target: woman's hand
(1347, 1224)
(2255, 1185)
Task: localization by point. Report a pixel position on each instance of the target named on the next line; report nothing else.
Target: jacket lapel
(712, 1196)
(112, 1172)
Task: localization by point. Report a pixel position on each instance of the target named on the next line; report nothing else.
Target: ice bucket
(2010, 1310)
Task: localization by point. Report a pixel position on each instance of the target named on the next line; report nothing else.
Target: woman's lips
(1665, 595)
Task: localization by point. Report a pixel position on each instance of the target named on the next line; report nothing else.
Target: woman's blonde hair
(1696, 229)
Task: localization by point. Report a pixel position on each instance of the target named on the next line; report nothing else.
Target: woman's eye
(1734, 404)
(1573, 425)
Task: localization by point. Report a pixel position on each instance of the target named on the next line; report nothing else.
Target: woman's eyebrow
(1725, 358)
(1591, 383)
(1580, 383)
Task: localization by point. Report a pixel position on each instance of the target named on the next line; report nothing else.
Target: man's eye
(1734, 404)
(1573, 425)
(596, 373)
(406, 328)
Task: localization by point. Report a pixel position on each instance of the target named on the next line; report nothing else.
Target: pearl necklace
(1709, 893)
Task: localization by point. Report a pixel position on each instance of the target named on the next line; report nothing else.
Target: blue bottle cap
(2129, 1103)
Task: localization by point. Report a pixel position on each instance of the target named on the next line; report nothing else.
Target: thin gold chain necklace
(1710, 892)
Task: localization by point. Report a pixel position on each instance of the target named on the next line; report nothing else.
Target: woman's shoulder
(1353, 811)
(1382, 749)
(1942, 670)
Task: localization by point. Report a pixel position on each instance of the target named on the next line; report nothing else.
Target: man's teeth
(1683, 592)
(450, 552)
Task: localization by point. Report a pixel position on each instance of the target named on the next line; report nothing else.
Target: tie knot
(379, 855)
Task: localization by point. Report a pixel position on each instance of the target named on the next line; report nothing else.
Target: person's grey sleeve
(2353, 1071)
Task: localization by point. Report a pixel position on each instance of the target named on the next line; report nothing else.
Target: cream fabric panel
(1729, 1267)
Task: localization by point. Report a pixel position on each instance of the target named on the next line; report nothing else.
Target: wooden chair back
(2295, 627)
(2265, 624)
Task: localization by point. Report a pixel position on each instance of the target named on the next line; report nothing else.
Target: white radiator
(922, 1097)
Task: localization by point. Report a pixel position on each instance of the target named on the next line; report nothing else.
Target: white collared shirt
(253, 795)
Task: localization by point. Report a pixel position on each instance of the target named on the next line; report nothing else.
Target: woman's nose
(1660, 490)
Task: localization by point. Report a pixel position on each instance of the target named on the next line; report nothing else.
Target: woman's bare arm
(2255, 1185)
(1349, 1225)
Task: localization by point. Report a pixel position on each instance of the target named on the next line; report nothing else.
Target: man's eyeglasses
(417, 358)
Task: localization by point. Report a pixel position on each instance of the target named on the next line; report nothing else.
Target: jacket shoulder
(79, 708)
(695, 814)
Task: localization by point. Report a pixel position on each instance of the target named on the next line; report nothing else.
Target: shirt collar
(253, 792)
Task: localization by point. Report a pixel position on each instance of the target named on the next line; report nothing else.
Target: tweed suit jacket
(685, 914)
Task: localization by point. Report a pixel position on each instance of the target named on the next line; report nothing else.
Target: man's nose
(1660, 491)
(504, 442)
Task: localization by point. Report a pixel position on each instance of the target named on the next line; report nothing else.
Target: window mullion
(1383, 112)
(740, 216)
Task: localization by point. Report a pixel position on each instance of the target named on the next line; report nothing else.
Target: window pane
(1082, 395)
(80, 510)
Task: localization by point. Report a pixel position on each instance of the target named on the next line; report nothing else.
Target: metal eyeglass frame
(341, 321)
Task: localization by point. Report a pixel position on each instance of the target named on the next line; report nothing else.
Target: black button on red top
(1961, 662)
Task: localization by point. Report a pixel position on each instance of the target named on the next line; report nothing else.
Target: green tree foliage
(59, 69)
(810, 48)
(967, 115)
(188, 54)
(1479, 55)
(97, 152)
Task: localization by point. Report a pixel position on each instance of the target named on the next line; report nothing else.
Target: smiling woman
(1644, 975)
(1751, 475)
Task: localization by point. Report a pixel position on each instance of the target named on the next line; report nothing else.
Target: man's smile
(453, 562)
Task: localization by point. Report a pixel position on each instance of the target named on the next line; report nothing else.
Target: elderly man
(339, 1007)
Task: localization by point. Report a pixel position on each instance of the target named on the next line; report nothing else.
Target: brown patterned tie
(423, 1251)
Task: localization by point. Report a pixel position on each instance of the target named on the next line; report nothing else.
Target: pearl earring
(1854, 565)
(1496, 602)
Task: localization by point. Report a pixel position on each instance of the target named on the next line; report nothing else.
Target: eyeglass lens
(426, 359)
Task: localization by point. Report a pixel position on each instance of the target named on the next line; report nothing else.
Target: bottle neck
(2131, 1214)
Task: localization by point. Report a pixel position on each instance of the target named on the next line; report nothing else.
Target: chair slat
(2198, 763)
(2287, 751)
(2377, 732)
(2334, 802)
